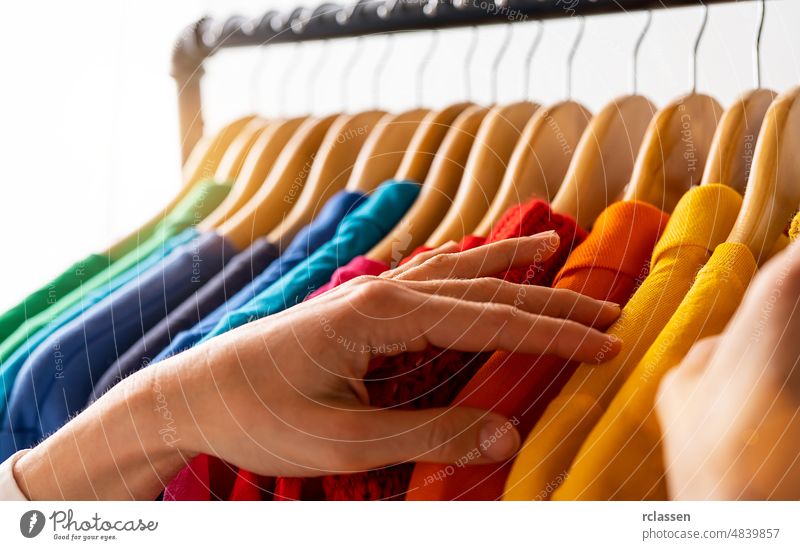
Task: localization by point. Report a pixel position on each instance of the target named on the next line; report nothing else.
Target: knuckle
(371, 290)
(440, 262)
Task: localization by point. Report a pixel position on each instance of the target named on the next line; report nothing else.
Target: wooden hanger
(283, 184)
(330, 171)
(201, 164)
(674, 151)
(254, 169)
(773, 189)
(426, 141)
(233, 159)
(383, 151)
(437, 191)
(604, 159)
(498, 134)
(539, 160)
(731, 155)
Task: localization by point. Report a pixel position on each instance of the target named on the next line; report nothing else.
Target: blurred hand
(731, 412)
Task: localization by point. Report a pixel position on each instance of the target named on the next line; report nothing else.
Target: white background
(88, 122)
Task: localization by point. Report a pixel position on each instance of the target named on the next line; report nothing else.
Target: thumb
(452, 435)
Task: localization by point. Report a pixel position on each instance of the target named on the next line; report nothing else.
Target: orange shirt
(609, 265)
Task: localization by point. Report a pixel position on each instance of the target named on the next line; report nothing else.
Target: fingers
(389, 312)
(560, 303)
(446, 248)
(485, 260)
(460, 436)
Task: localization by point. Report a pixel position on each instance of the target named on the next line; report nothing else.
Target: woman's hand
(285, 395)
(731, 412)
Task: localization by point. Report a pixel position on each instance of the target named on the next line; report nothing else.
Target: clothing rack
(207, 36)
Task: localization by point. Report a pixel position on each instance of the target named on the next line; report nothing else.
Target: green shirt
(203, 198)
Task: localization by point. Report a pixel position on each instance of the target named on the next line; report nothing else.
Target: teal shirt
(12, 365)
(358, 232)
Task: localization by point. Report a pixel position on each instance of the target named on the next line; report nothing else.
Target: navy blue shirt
(307, 241)
(237, 273)
(57, 379)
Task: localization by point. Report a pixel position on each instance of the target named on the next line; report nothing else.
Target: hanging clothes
(236, 273)
(703, 219)
(622, 457)
(59, 375)
(204, 197)
(9, 369)
(609, 265)
(306, 242)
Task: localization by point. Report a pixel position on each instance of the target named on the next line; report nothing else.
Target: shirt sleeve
(9, 490)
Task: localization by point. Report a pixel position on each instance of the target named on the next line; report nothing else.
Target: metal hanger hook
(501, 52)
(637, 48)
(468, 58)
(696, 49)
(573, 50)
(292, 64)
(315, 74)
(348, 70)
(424, 64)
(762, 12)
(381, 68)
(529, 60)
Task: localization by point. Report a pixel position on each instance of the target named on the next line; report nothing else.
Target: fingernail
(613, 338)
(612, 305)
(498, 439)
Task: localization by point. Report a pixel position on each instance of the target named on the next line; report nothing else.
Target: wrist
(114, 450)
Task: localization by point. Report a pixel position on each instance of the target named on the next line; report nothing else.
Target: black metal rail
(205, 37)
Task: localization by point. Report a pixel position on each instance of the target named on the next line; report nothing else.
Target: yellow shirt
(702, 220)
(622, 458)
(794, 231)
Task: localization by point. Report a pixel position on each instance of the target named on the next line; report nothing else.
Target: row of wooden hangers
(473, 162)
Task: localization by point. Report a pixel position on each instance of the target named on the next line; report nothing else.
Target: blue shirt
(306, 242)
(356, 235)
(11, 367)
(238, 272)
(56, 381)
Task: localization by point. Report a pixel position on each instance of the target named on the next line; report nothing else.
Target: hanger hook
(637, 48)
(424, 63)
(348, 70)
(501, 52)
(697, 41)
(529, 59)
(381, 68)
(468, 58)
(315, 73)
(762, 12)
(291, 67)
(573, 50)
